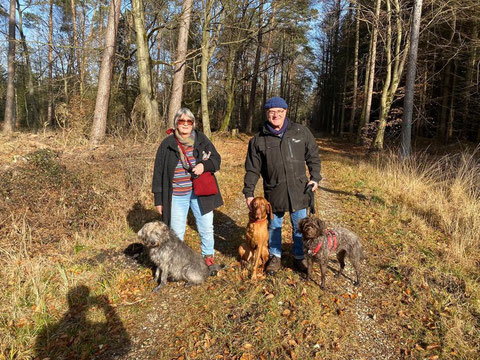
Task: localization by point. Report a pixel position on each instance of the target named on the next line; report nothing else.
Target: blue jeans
(275, 233)
(178, 220)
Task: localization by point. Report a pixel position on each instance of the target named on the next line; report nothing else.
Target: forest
(390, 90)
(99, 68)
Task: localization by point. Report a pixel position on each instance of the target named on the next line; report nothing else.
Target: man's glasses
(183, 122)
(276, 112)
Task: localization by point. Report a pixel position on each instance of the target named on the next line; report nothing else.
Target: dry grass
(70, 292)
(423, 216)
(444, 191)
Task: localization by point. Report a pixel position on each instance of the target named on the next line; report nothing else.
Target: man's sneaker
(300, 265)
(213, 270)
(273, 265)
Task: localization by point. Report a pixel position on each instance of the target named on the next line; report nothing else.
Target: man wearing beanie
(278, 153)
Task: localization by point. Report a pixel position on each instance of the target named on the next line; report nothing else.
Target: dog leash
(311, 198)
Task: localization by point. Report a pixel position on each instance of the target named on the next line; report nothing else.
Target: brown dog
(319, 242)
(256, 244)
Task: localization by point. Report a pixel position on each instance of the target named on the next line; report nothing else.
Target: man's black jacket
(281, 163)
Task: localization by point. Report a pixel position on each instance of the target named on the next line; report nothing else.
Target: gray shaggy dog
(173, 258)
(319, 242)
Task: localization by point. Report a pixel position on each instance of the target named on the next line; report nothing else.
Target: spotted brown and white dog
(319, 242)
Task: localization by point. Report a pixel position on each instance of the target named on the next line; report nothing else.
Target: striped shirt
(182, 179)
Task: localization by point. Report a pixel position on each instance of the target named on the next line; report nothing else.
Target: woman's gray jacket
(167, 159)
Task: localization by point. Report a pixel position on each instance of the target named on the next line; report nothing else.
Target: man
(279, 152)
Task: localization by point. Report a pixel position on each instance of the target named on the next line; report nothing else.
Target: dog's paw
(213, 272)
(157, 288)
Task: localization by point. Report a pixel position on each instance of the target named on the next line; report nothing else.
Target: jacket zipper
(290, 149)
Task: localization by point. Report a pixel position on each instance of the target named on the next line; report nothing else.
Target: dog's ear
(321, 225)
(269, 210)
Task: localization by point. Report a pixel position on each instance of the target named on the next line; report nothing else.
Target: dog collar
(259, 221)
(332, 242)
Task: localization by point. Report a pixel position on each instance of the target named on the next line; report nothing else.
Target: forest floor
(77, 285)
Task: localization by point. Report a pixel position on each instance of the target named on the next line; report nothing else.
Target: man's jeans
(275, 233)
(178, 221)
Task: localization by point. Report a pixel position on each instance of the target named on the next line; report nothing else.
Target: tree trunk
(207, 19)
(469, 85)
(451, 107)
(30, 97)
(405, 147)
(105, 75)
(50, 65)
(146, 105)
(267, 55)
(419, 123)
(230, 85)
(204, 83)
(180, 63)
(282, 67)
(446, 93)
(371, 71)
(208, 47)
(355, 69)
(9, 119)
(253, 89)
(75, 41)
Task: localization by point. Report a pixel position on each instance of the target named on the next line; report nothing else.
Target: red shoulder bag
(203, 185)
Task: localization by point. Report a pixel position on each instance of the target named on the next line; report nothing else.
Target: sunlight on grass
(443, 191)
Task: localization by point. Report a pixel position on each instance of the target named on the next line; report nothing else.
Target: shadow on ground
(138, 216)
(77, 337)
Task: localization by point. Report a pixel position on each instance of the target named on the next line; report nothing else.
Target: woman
(172, 180)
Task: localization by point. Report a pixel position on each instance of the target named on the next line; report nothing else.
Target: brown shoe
(300, 265)
(273, 265)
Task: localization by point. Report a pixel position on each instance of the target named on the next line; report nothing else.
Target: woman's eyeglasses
(183, 122)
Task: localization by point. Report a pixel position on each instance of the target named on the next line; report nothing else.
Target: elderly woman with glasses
(184, 154)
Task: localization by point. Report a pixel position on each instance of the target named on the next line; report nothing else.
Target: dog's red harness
(332, 242)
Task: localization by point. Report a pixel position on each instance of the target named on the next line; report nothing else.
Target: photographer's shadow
(75, 336)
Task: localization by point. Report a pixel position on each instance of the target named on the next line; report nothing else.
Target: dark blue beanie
(276, 102)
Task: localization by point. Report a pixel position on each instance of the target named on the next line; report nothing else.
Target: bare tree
(50, 64)
(9, 119)
(30, 96)
(355, 68)
(105, 76)
(394, 71)
(180, 63)
(212, 9)
(146, 106)
(253, 89)
(405, 147)
(370, 74)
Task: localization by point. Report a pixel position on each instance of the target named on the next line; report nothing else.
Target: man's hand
(159, 209)
(249, 201)
(315, 185)
(198, 169)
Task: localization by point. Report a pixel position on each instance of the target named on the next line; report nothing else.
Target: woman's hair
(184, 111)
